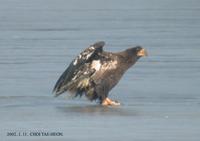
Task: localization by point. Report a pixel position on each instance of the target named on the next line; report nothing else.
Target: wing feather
(78, 69)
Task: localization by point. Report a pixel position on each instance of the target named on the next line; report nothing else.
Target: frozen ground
(160, 94)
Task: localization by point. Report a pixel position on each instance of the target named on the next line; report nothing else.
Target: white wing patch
(92, 47)
(96, 64)
(110, 66)
(89, 55)
(75, 62)
(84, 55)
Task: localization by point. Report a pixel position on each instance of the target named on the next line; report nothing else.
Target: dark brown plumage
(95, 72)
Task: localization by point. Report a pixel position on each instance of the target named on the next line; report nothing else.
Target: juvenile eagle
(94, 72)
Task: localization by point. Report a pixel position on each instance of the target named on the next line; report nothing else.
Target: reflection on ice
(96, 110)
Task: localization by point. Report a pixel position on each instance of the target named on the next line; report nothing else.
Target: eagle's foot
(109, 102)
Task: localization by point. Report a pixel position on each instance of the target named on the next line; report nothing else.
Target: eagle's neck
(127, 60)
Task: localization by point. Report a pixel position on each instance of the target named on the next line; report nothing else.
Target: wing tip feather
(99, 44)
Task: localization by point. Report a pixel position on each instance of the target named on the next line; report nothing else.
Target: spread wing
(75, 77)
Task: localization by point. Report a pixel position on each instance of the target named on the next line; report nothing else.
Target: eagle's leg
(107, 102)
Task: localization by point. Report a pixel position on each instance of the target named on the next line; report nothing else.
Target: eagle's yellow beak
(142, 52)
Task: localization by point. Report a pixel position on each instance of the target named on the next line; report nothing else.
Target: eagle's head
(134, 53)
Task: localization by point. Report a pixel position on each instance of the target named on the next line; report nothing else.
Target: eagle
(94, 72)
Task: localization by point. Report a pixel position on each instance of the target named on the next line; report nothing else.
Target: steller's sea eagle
(94, 72)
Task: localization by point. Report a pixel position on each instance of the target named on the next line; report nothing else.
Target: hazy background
(160, 95)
